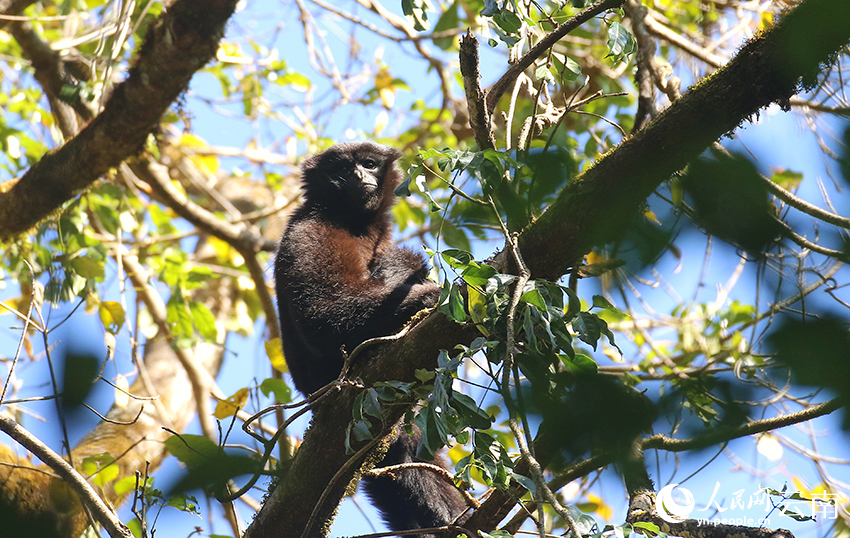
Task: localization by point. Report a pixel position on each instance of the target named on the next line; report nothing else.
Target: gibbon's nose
(366, 178)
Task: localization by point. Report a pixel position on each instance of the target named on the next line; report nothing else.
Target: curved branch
(662, 442)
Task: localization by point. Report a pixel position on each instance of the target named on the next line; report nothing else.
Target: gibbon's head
(352, 177)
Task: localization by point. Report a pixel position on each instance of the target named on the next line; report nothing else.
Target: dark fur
(341, 280)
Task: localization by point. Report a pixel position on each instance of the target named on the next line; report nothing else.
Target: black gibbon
(341, 280)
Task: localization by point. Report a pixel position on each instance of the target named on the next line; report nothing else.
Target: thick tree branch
(182, 41)
(590, 211)
(53, 74)
(598, 204)
(479, 116)
(102, 513)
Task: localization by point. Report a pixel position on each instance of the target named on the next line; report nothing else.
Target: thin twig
(542, 46)
(23, 338)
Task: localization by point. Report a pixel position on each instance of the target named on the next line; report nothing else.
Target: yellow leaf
(594, 257)
(383, 79)
(111, 315)
(207, 162)
(101, 468)
(650, 215)
(613, 354)
(229, 407)
(603, 510)
(384, 85)
(274, 350)
(766, 20)
(381, 122)
(225, 253)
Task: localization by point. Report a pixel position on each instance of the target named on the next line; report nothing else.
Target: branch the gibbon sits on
(341, 280)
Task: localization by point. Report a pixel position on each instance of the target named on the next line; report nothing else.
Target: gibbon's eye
(369, 164)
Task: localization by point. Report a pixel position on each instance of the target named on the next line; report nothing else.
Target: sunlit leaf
(274, 351)
(229, 407)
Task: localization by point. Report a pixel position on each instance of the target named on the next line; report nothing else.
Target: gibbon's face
(353, 173)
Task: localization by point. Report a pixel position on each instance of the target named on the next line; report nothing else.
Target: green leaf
(457, 258)
(371, 405)
(478, 275)
(573, 303)
(533, 297)
(101, 468)
(198, 275)
(508, 21)
(423, 188)
(294, 79)
(456, 308)
(491, 7)
(179, 316)
(651, 527)
(449, 20)
(620, 42)
(204, 320)
(581, 364)
(587, 326)
(524, 481)
(542, 73)
(568, 68)
(184, 503)
(601, 302)
(360, 430)
(413, 172)
(135, 527)
(787, 179)
(127, 484)
(469, 410)
(415, 13)
(193, 450)
(88, 267)
(278, 387)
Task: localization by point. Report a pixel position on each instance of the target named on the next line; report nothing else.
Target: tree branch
(479, 115)
(507, 80)
(181, 41)
(597, 205)
(590, 211)
(70, 476)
